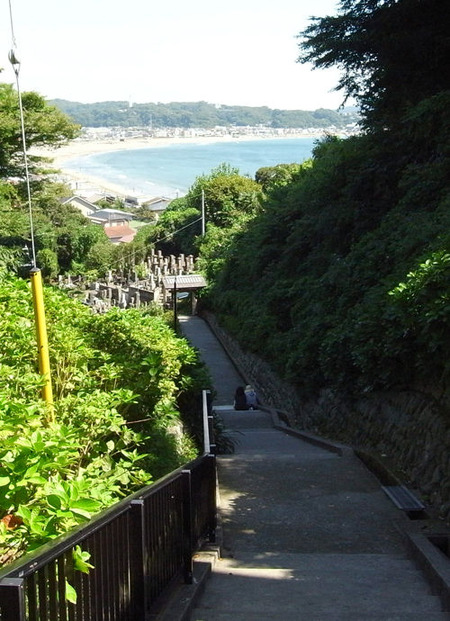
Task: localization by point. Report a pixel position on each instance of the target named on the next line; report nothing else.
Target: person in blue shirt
(251, 397)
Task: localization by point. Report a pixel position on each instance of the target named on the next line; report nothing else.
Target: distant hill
(197, 114)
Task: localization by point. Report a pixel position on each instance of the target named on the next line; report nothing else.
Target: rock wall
(270, 388)
(408, 429)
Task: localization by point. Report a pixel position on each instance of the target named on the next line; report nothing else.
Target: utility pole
(203, 213)
(175, 318)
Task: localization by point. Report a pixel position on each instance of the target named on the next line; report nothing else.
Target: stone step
(321, 562)
(201, 614)
(319, 586)
(246, 419)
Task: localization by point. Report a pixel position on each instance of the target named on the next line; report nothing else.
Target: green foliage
(194, 114)
(47, 260)
(228, 195)
(176, 229)
(118, 381)
(231, 201)
(393, 54)
(65, 240)
(307, 285)
(45, 125)
(272, 177)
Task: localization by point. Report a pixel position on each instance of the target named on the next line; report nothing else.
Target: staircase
(307, 536)
(318, 587)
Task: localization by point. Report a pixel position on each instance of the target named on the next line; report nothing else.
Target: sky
(232, 52)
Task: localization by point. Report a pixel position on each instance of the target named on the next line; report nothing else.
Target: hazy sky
(237, 52)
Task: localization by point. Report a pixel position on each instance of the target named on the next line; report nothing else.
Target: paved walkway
(224, 374)
(307, 535)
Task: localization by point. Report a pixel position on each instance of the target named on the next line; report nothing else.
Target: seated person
(251, 397)
(240, 400)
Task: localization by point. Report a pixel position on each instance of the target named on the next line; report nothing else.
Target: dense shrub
(116, 424)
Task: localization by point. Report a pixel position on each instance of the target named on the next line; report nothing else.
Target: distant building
(86, 207)
(120, 234)
(115, 223)
(111, 217)
(157, 205)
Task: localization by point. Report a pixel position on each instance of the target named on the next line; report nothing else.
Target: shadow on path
(307, 535)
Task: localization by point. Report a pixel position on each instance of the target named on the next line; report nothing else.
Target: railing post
(212, 442)
(212, 504)
(187, 527)
(138, 560)
(12, 599)
(206, 437)
(212, 439)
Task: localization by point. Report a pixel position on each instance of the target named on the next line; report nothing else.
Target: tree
(48, 262)
(271, 177)
(45, 125)
(176, 229)
(393, 53)
(228, 195)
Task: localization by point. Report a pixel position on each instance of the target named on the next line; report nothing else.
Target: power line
(16, 68)
(168, 236)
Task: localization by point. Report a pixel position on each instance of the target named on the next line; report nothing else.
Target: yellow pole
(41, 335)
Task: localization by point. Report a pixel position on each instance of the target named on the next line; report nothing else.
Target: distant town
(89, 134)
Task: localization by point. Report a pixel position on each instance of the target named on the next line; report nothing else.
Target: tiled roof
(184, 282)
(121, 233)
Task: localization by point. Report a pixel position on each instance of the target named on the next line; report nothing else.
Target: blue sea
(171, 170)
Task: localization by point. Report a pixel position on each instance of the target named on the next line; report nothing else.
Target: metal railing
(137, 547)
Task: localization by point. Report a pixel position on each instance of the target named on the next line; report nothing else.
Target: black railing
(138, 547)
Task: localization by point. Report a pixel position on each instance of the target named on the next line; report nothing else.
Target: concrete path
(224, 374)
(307, 535)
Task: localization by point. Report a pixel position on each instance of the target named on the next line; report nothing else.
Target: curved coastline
(80, 181)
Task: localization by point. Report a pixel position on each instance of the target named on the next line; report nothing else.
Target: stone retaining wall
(408, 429)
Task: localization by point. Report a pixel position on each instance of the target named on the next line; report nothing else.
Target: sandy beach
(85, 184)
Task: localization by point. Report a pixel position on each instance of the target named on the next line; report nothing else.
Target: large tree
(45, 125)
(228, 195)
(393, 53)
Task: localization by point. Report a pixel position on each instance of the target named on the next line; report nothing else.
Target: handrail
(206, 438)
(137, 548)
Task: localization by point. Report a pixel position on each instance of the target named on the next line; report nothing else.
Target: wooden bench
(403, 498)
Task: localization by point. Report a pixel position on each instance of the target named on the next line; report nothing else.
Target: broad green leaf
(80, 559)
(71, 594)
(87, 504)
(54, 501)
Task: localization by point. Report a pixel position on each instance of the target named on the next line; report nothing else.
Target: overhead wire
(15, 63)
(35, 273)
(168, 236)
(16, 68)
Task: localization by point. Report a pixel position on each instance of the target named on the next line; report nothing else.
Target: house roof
(158, 203)
(122, 234)
(107, 215)
(78, 199)
(184, 282)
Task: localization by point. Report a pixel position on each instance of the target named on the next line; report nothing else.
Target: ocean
(171, 170)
